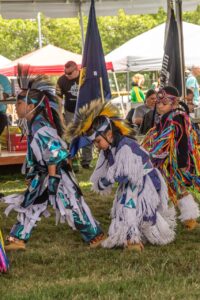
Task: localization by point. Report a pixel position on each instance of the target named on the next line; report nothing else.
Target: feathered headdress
(87, 114)
(81, 131)
(41, 83)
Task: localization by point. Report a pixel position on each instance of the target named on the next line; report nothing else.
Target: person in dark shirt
(150, 100)
(172, 144)
(67, 89)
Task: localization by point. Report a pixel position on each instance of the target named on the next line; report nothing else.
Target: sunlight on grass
(12, 187)
(85, 184)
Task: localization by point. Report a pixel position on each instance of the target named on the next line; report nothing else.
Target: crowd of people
(143, 116)
(153, 178)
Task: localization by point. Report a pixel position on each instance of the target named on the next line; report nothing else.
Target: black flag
(171, 65)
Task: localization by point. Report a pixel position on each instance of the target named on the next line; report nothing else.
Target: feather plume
(34, 82)
(86, 115)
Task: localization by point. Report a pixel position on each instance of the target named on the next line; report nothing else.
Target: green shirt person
(137, 95)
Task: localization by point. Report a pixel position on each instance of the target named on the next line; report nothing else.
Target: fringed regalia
(140, 210)
(46, 148)
(3, 258)
(173, 148)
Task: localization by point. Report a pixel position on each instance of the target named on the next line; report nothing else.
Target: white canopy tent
(4, 61)
(29, 9)
(145, 51)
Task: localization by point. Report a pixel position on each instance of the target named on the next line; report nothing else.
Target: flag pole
(169, 8)
(101, 89)
(180, 30)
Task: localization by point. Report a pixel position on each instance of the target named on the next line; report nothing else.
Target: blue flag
(93, 75)
(78, 143)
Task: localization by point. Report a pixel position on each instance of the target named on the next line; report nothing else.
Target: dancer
(140, 210)
(49, 175)
(172, 144)
(3, 259)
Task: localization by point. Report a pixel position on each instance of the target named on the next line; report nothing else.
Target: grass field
(58, 265)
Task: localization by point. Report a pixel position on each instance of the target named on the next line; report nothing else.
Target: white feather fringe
(189, 209)
(26, 216)
(129, 222)
(160, 233)
(127, 164)
(123, 223)
(100, 172)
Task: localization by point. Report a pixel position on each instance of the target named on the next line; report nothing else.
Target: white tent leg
(39, 30)
(116, 83)
(118, 92)
(81, 25)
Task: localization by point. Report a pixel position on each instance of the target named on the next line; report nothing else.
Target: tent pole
(127, 81)
(118, 92)
(180, 29)
(116, 83)
(39, 30)
(81, 24)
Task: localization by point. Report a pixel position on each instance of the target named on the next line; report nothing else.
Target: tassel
(49, 112)
(3, 259)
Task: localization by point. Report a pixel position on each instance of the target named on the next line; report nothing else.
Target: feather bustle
(86, 115)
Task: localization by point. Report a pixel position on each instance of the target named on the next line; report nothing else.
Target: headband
(163, 97)
(106, 125)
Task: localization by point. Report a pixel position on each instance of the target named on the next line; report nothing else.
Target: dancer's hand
(53, 184)
(27, 181)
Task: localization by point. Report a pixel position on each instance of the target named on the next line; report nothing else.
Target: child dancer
(172, 144)
(48, 173)
(3, 258)
(140, 210)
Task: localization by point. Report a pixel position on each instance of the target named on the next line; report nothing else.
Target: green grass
(58, 265)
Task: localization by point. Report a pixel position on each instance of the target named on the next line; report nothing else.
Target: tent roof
(4, 61)
(28, 9)
(145, 51)
(48, 60)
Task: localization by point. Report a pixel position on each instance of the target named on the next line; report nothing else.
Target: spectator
(141, 110)
(189, 100)
(156, 85)
(67, 87)
(191, 106)
(192, 83)
(148, 121)
(137, 95)
(5, 92)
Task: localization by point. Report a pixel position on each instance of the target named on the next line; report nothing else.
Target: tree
(19, 37)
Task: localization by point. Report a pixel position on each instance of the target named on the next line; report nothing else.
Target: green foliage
(63, 33)
(192, 16)
(19, 37)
